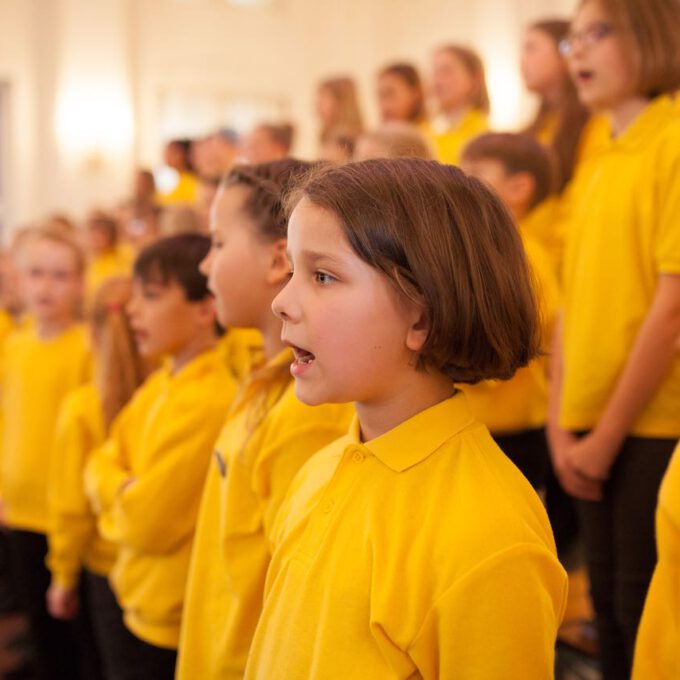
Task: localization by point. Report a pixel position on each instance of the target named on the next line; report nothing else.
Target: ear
(419, 327)
(521, 186)
(279, 267)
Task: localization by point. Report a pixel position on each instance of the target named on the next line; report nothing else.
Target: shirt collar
(417, 438)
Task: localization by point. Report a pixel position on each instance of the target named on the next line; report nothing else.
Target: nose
(204, 265)
(283, 304)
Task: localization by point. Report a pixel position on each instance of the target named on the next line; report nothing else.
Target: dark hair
(176, 258)
(445, 241)
(571, 115)
(516, 153)
(268, 184)
(409, 74)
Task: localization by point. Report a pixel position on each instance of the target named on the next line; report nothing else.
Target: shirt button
(327, 507)
(358, 457)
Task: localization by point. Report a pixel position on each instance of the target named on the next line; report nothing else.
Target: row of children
(407, 277)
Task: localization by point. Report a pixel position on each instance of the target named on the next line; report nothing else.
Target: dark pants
(55, 648)
(125, 656)
(528, 450)
(618, 532)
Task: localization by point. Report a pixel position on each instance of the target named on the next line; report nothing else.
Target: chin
(313, 397)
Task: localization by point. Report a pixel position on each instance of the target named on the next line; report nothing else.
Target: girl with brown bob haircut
(407, 276)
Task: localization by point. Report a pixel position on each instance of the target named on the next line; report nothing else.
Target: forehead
(589, 12)
(50, 253)
(227, 208)
(313, 227)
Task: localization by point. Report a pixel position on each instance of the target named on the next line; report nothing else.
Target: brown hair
(654, 29)
(446, 241)
(348, 115)
(104, 222)
(280, 133)
(409, 75)
(119, 370)
(474, 65)
(398, 139)
(516, 153)
(570, 113)
(268, 183)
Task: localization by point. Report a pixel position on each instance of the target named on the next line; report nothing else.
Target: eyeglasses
(586, 38)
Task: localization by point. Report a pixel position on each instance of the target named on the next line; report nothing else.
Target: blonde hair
(474, 65)
(54, 234)
(348, 116)
(119, 368)
(654, 29)
(398, 139)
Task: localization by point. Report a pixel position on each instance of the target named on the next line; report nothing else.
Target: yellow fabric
(74, 541)
(449, 142)
(421, 554)
(624, 233)
(162, 441)
(7, 325)
(248, 479)
(546, 135)
(36, 377)
(185, 191)
(115, 262)
(242, 351)
(521, 403)
(657, 649)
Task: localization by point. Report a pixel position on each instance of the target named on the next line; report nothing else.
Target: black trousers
(618, 532)
(55, 648)
(528, 450)
(125, 656)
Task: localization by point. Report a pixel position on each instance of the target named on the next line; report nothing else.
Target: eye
(323, 278)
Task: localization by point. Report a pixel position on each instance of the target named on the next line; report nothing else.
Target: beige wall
(71, 62)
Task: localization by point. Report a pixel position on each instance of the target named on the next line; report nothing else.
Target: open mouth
(302, 356)
(584, 76)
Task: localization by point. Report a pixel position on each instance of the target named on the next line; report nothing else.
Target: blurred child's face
(238, 266)
(514, 189)
(98, 240)
(602, 67)
(346, 322)
(452, 83)
(326, 105)
(51, 283)
(259, 147)
(542, 65)
(396, 100)
(163, 321)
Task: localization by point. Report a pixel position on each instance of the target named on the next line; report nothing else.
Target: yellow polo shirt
(521, 403)
(423, 553)
(36, 377)
(249, 476)
(449, 141)
(657, 649)
(115, 262)
(74, 541)
(624, 233)
(162, 441)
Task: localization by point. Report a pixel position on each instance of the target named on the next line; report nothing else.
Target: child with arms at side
(615, 374)
(146, 480)
(411, 547)
(42, 362)
(269, 433)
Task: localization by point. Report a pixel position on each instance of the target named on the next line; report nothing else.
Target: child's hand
(592, 457)
(566, 456)
(62, 603)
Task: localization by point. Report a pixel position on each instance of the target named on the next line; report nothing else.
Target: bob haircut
(654, 30)
(446, 242)
(516, 153)
(176, 258)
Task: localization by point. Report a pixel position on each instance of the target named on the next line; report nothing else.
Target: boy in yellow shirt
(517, 168)
(146, 480)
(42, 362)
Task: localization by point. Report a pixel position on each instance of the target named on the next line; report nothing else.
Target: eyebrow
(313, 256)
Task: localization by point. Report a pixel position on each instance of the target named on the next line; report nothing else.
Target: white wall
(107, 59)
